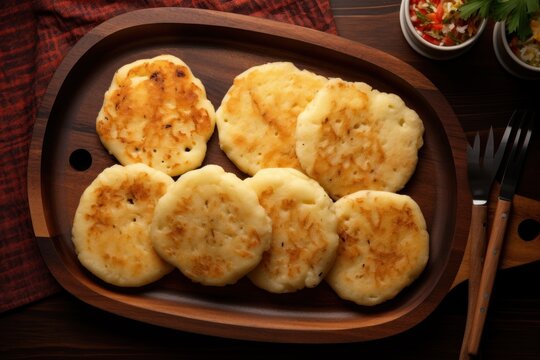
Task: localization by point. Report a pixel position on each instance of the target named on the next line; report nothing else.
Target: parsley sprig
(516, 13)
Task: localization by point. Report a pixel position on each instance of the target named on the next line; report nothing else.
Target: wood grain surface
(481, 94)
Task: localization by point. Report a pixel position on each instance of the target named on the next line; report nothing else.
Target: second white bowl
(508, 60)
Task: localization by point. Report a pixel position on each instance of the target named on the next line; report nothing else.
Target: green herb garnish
(516, 13)
(422, 17)
(476, 7)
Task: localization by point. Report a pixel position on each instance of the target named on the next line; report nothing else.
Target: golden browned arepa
(257, 117)
(211, 226)
(156, 112)
(304, 233)
(384, 246)
(351, 137)
(111, 228)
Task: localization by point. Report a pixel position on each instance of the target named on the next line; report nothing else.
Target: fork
(513, 168)
(482, 169)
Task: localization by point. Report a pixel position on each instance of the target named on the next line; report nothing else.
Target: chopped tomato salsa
(438, 21)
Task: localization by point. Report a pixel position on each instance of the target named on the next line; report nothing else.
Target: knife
(512, 171)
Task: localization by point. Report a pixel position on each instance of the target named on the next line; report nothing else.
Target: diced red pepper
(430, 39)
(439, 12)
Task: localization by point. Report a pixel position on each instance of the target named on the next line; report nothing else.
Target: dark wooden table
(481, 94)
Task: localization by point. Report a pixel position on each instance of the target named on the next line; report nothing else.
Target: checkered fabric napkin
(34, 37)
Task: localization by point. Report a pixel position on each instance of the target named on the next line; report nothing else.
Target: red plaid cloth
(34, 37)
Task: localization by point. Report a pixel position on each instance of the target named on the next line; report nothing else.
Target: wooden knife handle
(489, 271)
(477, 248)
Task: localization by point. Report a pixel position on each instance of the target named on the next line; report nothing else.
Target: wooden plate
(66, 155)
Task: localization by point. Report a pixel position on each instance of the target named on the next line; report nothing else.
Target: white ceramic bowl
(428, 49)
(508, 59)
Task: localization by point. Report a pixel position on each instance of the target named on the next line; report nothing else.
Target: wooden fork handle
(489, 271)
(477, 247)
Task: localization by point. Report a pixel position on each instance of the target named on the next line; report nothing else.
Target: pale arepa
(211, 226)
(352, 137)
(111, 228)
(304, 233)
(384, 246)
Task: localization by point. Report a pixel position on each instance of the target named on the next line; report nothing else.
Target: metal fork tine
(514, 148)
(525, 144)
(517, 155)
(502, 145)
(473, 155)
(488, 155)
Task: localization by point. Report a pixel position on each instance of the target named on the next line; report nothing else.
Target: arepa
(384, 246)
(351, 137)
(304, 233)
(211, 226)
(156, 112)
(111, 228)
(257, 118)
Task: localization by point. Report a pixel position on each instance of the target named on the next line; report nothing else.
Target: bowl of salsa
(435, 29)
(520, 57)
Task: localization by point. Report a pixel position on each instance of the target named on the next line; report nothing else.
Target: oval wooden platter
(66, 155)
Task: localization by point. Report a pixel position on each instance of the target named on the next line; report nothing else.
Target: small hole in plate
(528, 229)
(80, 160)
